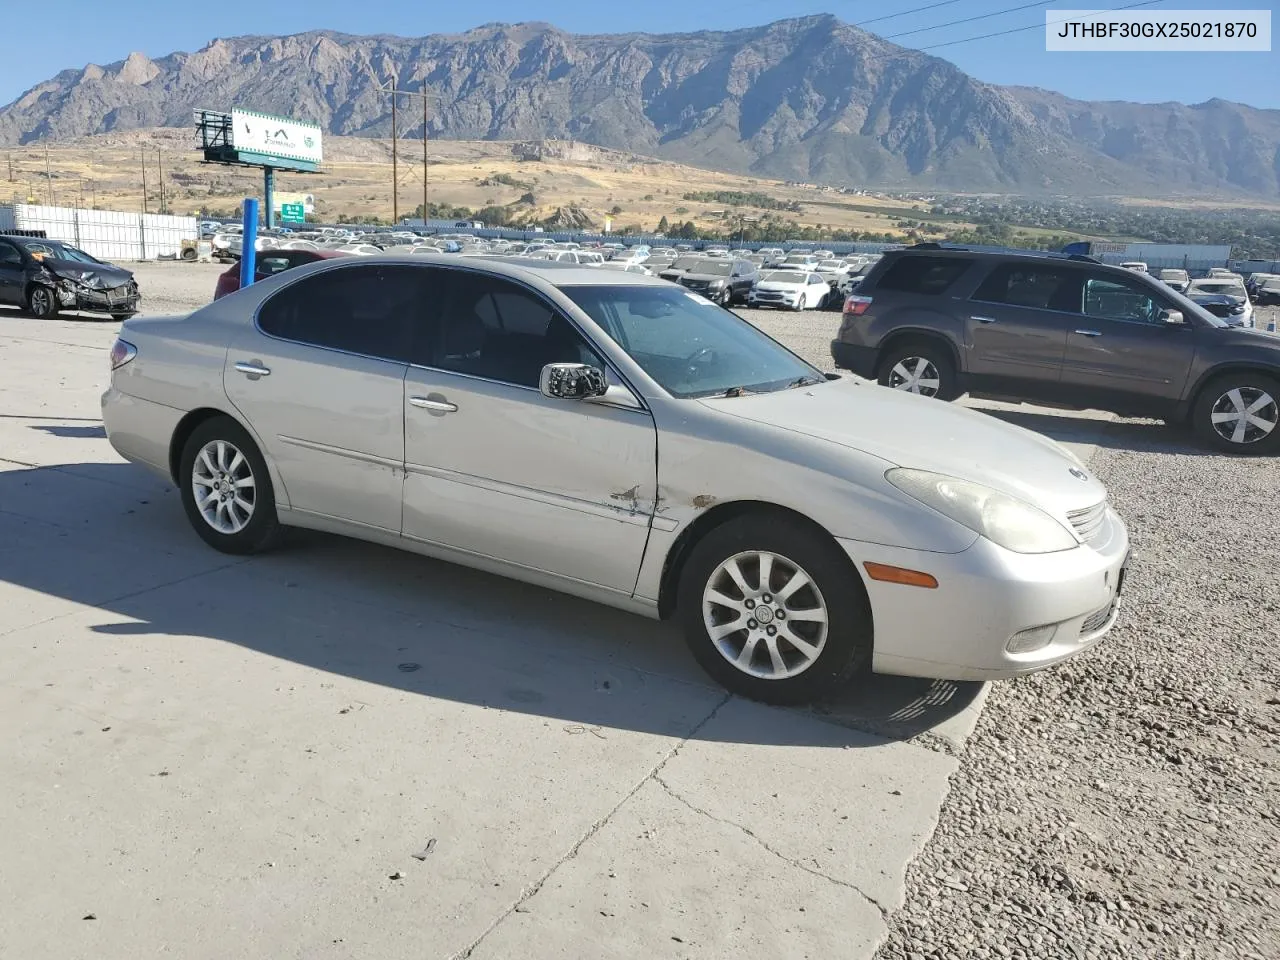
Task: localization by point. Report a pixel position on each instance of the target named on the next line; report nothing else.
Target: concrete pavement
(222, 757)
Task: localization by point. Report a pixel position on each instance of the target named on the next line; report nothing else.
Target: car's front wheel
(1239, 413)
(920, 367)
(774, 611)
(42, 302)
(226, 489)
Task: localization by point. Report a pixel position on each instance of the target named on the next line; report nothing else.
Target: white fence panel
(107, 234)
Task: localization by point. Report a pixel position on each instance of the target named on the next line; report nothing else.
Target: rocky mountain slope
(810, 98)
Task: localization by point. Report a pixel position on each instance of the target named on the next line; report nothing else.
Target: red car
(270, 262)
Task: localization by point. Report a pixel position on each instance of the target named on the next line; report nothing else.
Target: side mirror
(1173, 318)
(571, 381)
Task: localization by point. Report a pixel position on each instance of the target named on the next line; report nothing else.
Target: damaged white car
(616, 437)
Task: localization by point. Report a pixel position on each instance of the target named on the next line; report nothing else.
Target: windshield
(58, 251)
(687, 344)
(715, 268)
(1232, 288)
(831, 265)
(686, 263)
(783, 276)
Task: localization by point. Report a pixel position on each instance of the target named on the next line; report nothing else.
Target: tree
(663, 226)
(616, 210)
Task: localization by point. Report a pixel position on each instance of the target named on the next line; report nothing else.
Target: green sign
(293, 213)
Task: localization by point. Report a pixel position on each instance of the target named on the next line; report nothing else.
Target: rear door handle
(984, 319)
(1089, 333)
(439, 406)
(253, 368)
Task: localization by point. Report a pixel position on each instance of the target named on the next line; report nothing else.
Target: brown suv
(1062, 330)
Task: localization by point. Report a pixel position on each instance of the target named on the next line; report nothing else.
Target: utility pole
(143, 151)
(160, 168)
(11, 168)
(424, 161)
(395, 182)
(48, 175)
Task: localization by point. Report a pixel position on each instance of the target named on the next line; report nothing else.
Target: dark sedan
(45, 276)
(268, 264)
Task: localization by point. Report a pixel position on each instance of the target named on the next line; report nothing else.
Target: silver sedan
(617, 437)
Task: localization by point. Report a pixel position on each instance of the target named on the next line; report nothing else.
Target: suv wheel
(1239, 413)
(922, 368)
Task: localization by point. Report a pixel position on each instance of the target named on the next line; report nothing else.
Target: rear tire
(42, 302)
(794, 656)
(236, 509)
(922, 368)
(1239, 413)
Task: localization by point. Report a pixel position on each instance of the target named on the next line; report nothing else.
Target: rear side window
(928, 275)
(1041, 288)
(370, 310)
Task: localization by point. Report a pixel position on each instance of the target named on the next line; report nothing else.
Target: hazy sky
(94, 31)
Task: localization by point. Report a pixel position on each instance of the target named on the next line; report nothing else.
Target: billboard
(275, 136)
(305, 200)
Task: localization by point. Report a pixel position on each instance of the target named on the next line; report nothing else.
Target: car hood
(704, 277)
(925, 434)
(785, 286)
(1265, 346)
(104, 275)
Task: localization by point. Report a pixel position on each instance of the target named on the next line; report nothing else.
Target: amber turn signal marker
(910, 578)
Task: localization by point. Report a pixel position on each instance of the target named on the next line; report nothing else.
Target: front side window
(1114, 298)
(492, 328)
(1037, 287)
(927, 275)
(688, 345)
(9, 254)
(369, 310)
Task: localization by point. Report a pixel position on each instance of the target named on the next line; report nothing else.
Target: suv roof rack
(1012, 251)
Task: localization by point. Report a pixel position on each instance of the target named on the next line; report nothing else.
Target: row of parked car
(1224, 293)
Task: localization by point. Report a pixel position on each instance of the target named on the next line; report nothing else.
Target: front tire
(226, 489)
(774, 610)
(1239, 413)
(922, 368)
(42, 302)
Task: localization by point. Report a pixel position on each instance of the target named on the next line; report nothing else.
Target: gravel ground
(1127, 803)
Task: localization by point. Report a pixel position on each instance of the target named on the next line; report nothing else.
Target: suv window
(1041, 288)
(9, 253)
(369, 310)
(498, 330)
(929, 275)
(1116, 298)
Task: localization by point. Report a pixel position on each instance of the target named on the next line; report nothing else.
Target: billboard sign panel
(305, 200)
(275, 136)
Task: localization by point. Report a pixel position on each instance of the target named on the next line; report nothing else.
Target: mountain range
(809, 98)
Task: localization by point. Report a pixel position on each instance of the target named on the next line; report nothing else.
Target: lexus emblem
(1079, 474)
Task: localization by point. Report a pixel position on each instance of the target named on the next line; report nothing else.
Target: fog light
(1026, 641)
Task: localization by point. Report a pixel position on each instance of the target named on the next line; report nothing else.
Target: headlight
(716, 283)
(1012, 523)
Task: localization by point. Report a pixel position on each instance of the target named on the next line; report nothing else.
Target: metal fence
(106, 234)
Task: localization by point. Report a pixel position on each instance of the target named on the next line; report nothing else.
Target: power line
(893, 16)
(954, 23)
(1036, 26)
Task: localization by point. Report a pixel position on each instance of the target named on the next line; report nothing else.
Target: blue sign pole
(249, 245)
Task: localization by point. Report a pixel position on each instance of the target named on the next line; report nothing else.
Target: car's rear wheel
(1239, 413)
(774, 611)
(920, 367)
(42, 302)
(226, 489)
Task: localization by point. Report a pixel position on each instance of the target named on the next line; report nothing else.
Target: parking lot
(338, 750)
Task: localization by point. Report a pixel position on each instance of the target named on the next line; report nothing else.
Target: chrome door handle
(439, 406)
(1089, 333)
(984, 319)
(253, 368)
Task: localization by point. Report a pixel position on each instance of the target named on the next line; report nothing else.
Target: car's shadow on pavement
(1148, 436)
(110, 538)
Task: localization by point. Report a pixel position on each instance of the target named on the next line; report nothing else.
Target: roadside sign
(293, 213)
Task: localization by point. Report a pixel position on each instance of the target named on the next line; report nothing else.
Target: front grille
(1087, 522)
(768, 295)
(1096, 621)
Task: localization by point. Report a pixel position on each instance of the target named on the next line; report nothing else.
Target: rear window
(929, 275)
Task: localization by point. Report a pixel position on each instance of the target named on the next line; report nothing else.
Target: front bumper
(772, 300)
(985, 596)
(121, 299)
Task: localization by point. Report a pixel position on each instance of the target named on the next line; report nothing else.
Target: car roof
(557, 273)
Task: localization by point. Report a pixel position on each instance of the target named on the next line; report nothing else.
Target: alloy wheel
(915, 375)
(41, 301)
(224, 487)
(765, 615)
(1245, 415)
